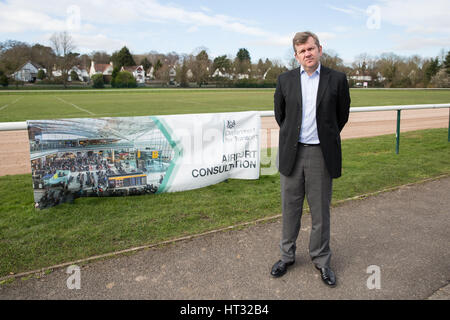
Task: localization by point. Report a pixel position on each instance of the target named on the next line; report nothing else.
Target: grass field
(32, 239)
(23, 105)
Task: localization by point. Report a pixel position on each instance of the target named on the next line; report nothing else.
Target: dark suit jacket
(332, 111)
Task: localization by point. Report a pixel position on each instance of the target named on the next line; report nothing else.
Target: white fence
(389, 108)
(22, 125)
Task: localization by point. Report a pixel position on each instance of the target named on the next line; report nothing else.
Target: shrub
(97, 81)
(3, 79)
(41, 74)
(125, 79)
(74, 76)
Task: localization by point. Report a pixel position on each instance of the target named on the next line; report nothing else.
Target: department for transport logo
(231, 124)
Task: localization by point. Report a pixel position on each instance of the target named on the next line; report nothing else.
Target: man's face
(308, 54)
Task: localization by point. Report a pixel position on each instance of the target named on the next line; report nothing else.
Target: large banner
(73, 158)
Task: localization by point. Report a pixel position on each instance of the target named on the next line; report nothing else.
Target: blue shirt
(310, 85)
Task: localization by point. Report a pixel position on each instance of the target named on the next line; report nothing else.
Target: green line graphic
(173, 168)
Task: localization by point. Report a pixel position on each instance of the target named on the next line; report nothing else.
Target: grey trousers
(310, 177)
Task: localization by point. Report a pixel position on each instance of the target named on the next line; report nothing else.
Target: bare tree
(63, 45)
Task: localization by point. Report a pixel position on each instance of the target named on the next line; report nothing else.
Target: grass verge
(32, 239)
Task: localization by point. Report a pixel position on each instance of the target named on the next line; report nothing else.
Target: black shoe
(280, 268)
(327, 276)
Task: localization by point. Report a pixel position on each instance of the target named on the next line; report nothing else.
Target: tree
(200, 68)
(276, 69)
(123, 58)
(100, 57)
(74, 76)
(242, 62)
(183, 76)
(388, 66)
(331, 60)
(431, 69)
(113, 76)
(13, 54)
(125, 79)
(243, 55)
(3, 79)
(447, 63)
(222, 63)
(41, 74)
(63, 46)
(146, 64)
(97, 81)
(158, 65)
(441, 79)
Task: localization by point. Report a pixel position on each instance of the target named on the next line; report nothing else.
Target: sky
(265, 28)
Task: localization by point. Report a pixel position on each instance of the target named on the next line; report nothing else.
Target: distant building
(265, 73)
(222, 74)
(138, 72)
(172, 74)
(83, 75)
(101, 68)
(363, 79)
(241, 76)
(361, 76)
(28, 72)
(150, 74)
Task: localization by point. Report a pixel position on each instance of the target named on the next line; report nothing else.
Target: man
(312, 106)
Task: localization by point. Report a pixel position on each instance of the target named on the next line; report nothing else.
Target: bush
(254, 83)
(55, 80)
(125, 79)
(41, 74)
(3, 79)
(97, 81)
(74, 76)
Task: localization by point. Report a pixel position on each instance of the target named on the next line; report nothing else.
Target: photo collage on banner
(73, 158)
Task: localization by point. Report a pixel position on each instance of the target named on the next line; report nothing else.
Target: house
(138, 72)
(361, 79)
(56, 72)
(101, 68)
(150, 74)
(221, 73)
(172, 74)
(28, 72)
(265, 73)
(241, 76)
(83, 75)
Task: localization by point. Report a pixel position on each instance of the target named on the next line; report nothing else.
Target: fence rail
(390, 108)
(22, 125)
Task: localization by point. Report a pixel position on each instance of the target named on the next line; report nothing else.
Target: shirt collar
(302, 70)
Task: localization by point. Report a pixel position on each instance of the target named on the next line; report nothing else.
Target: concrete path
(403, 234)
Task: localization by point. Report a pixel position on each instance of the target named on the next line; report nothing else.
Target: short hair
(302, 37)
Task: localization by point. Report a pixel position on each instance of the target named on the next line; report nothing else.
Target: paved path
(404, 232)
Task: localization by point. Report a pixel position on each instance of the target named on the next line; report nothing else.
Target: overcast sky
(265, 28)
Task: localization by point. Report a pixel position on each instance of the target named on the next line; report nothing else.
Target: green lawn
(122, 103)
(31, 239)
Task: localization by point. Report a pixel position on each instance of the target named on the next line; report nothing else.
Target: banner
(72, 158)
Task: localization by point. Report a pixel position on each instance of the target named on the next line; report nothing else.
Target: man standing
(312, 106)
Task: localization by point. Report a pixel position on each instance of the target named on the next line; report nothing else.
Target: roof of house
(37, 66)
(132, 68)
(101, 67)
